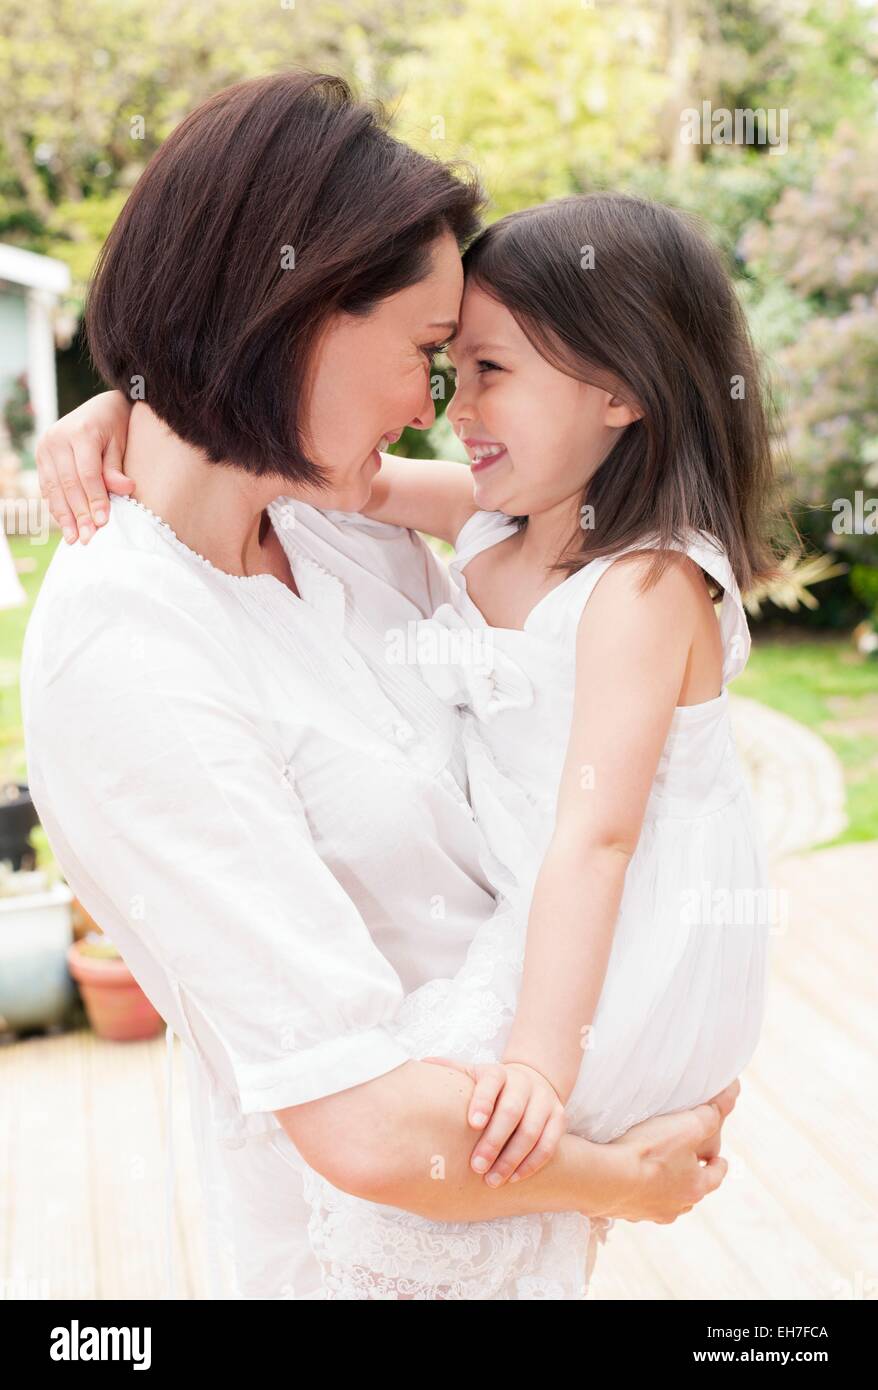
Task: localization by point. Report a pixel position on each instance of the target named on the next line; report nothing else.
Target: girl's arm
(79, 458)
(632, 651)
(431, 495)
(79, 462)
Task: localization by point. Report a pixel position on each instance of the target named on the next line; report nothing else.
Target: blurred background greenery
(546, 98)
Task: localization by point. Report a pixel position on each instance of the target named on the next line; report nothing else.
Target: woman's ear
(620, 413)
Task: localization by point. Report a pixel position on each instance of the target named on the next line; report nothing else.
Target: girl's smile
(483, 453)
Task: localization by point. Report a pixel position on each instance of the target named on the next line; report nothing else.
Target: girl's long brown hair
(631, 296)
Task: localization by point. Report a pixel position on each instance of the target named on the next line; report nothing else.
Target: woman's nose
(456, 410)
(426, 415)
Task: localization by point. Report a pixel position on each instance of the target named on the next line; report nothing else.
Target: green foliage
(822, 241)
(44, 859)
(728, 191)
(828, 686)
(18, 413)
(35, 557)
(546, 97)
(817, 256)
(864, 583)
(89, 89)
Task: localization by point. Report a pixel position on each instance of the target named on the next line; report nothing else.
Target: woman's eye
(433, 350)
(484, 366)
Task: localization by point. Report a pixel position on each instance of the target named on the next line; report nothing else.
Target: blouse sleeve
(156, 780)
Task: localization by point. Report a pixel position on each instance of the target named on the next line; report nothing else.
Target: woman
(258, 808)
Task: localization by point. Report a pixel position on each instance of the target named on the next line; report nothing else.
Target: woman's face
(533, 434)
(371, 378)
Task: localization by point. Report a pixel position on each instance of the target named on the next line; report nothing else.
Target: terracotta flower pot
(117, 1007)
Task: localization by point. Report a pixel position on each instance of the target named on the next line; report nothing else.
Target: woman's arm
(430, 495)
(403, 1140)
(632, 650)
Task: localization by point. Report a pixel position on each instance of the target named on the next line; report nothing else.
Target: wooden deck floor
(797, 1216)
(82, 1126)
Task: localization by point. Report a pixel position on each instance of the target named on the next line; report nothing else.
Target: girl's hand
(526, 1114)
(79, 459)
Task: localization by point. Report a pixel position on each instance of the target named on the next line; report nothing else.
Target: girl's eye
(485, 366)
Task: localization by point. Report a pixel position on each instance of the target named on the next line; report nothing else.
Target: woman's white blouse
(266, 814)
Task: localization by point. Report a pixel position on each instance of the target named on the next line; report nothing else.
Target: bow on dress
(465, 666)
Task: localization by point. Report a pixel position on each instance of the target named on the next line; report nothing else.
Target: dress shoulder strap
(707, 552)
(478, 532)
(564, 605)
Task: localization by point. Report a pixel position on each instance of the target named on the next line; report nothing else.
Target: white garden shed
(30, 286)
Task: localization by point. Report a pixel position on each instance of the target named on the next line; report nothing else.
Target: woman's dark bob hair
(275, 204)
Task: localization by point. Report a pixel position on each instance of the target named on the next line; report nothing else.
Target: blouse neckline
(311, 579)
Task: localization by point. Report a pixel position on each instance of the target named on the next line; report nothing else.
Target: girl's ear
(619, 413)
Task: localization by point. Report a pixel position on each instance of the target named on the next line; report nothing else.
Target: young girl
(610, 405)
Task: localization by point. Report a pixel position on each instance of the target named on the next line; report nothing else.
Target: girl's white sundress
(681, 1006)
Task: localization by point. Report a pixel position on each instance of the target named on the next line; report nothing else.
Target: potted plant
(83, 922)
(35, 932)
(116, 1006)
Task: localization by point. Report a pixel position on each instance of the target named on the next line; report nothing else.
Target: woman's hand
(526, 1117)
(79, 460)
(675, 1160)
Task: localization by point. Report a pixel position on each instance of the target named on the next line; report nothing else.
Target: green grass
(13, 621)
(823, 683)
(826, 685)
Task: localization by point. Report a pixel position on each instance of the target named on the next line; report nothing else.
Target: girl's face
(370, 378)
(534, 435)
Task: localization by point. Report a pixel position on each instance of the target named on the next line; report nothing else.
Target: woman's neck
(215, 509)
